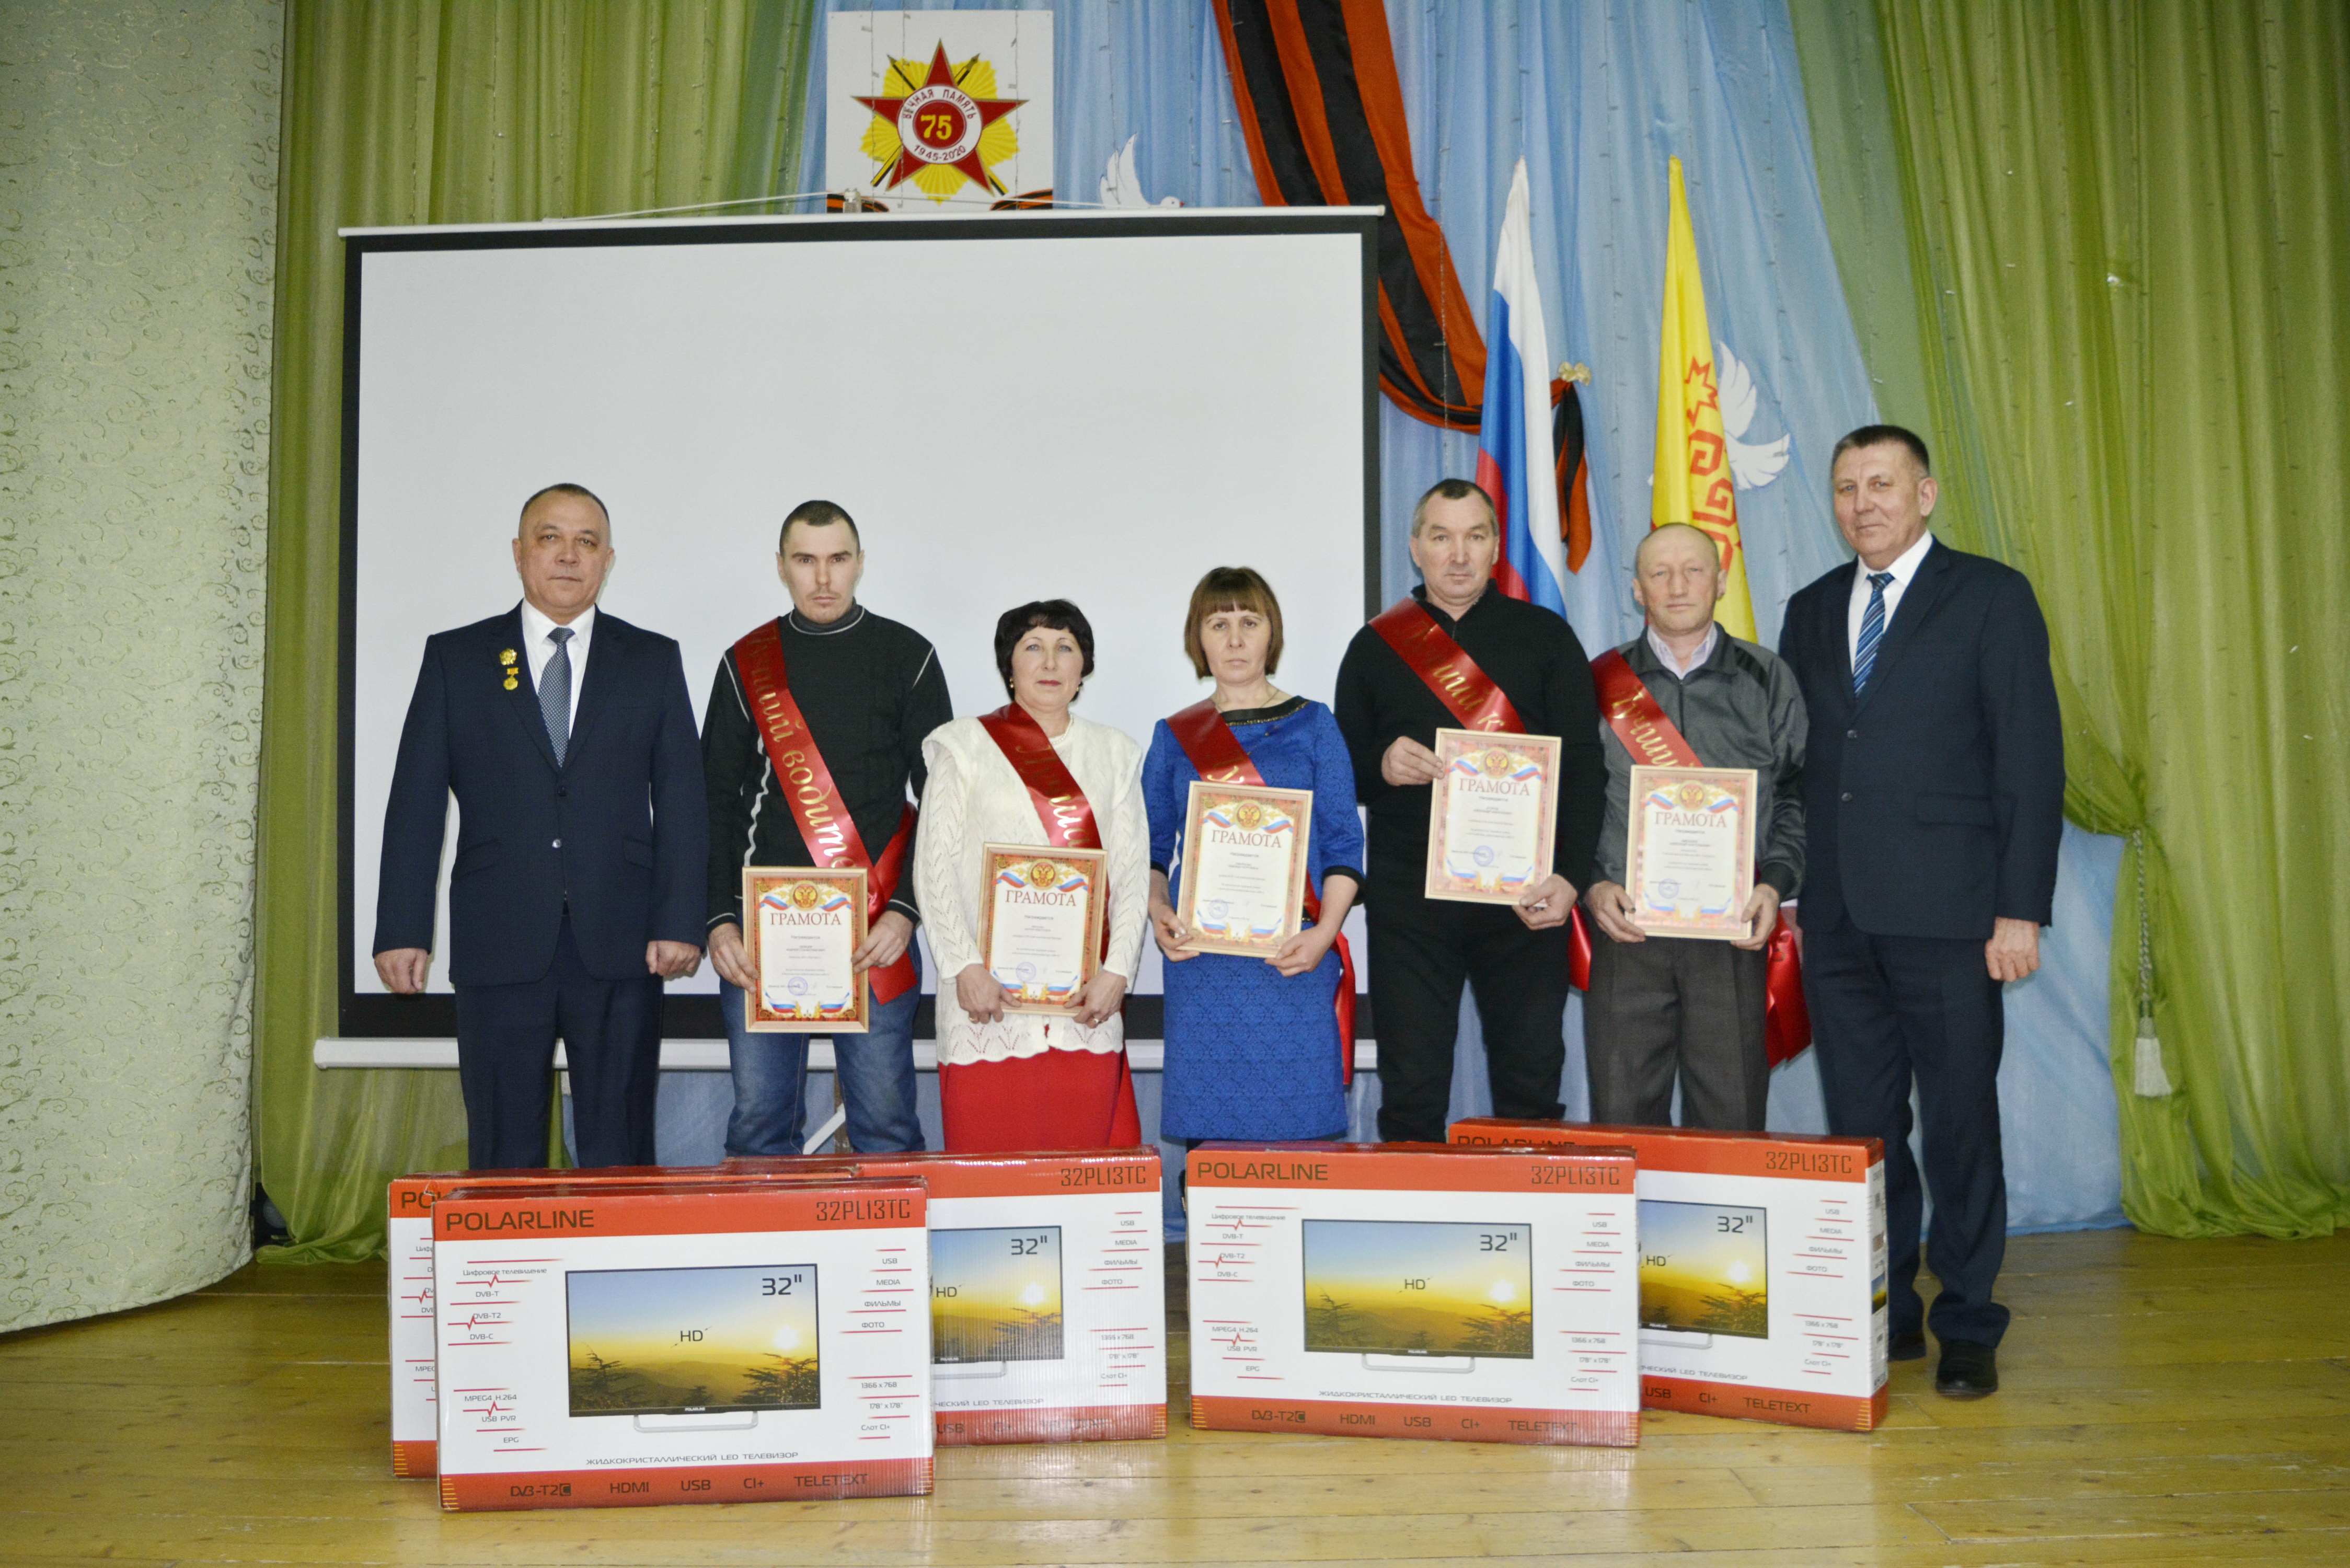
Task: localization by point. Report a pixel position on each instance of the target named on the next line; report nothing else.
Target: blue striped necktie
(554, 693)
(1872, 632)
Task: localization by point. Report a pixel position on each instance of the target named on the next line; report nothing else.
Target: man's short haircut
(1232, 588)
(818, 514)
(1053, 614)
(1883, 435)
(1641, 548)
(1452, 490)
(564, 487)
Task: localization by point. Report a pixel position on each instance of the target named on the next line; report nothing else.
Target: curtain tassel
(2151, 1082)
(2147, 1077)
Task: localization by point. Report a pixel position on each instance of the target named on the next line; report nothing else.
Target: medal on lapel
(506, 659)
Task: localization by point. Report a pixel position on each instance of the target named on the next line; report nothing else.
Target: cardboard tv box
(415, 1411)
(1762, 1269)
(609, 1344)
(1048, 1301)
(1414, 1291)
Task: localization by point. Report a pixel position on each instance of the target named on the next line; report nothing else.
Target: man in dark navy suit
(1933, 795)
(582, 837)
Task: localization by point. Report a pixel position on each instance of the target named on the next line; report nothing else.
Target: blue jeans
(876, 1075)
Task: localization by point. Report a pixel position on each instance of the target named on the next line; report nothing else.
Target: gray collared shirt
(1682, 668)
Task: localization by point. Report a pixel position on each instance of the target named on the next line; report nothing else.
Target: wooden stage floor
(2165, 1402)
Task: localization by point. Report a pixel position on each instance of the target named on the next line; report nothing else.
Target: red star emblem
(939, 124)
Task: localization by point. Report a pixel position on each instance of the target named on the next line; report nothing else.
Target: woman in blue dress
(1253, 1044)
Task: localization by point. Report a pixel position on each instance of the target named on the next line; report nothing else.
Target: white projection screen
(1012, 407)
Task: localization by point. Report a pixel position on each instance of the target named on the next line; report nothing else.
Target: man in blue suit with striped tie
(1933, 796)
(567, 738)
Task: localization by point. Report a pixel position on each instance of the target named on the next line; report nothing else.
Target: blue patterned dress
(1250, 1055)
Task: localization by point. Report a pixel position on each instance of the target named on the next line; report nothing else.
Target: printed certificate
(1690, 861)
(1492, 815)
(803, 925)
(1244, 882)
(1040, 923)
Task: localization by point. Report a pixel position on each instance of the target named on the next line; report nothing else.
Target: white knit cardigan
(973, 798)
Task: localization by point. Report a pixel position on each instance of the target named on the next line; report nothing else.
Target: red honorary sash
(1655, 741)
(822, 816)
(1221, 758)
(1432, 655)
(1061, 805)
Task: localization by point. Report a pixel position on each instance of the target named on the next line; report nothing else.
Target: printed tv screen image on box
(995, 1294)
(1704, 1270)
(1423, 1288)
(679, 1342)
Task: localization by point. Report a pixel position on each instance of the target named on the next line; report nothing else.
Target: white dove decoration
(1752, 466)
(1122, 187)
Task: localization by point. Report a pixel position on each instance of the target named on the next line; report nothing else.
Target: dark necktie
(1864, 657)
(554, 693)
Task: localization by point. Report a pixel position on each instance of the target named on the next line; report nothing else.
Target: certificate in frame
(1040, 923)
(1492, 815)
(1243, 883)
(1689, 858)
(801, 925)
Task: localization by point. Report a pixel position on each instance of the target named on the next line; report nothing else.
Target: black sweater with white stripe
(871, 690)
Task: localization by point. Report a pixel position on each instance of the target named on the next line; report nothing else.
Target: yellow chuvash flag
(1693, 482)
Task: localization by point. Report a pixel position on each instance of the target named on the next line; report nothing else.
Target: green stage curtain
(2098, 253)
(139, 159)
(437, 111)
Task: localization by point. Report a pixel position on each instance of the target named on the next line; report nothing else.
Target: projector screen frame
(695, 1016)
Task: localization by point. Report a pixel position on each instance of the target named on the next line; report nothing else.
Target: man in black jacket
(869, 690)
(1933, 798)
(1423, 949)
(566, 736)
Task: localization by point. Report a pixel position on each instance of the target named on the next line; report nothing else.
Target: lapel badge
(510, 681)
(507, 656)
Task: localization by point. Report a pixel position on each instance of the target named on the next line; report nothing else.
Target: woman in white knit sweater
(1025, 1080)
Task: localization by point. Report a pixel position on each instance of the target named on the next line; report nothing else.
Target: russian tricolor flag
(1515, 462)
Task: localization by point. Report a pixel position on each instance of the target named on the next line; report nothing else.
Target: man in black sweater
(869, 690)
(1422, 950)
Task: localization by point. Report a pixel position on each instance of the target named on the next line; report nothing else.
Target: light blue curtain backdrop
(1597, 99)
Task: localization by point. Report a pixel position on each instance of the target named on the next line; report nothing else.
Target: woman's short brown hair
(1053, 614)
(1232, 588)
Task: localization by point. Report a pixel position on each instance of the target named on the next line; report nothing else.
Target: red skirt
(1053, 1100)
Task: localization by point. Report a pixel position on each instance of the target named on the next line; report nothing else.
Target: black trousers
(1422, 952)
(1888, 1010)
(1676, 1006)
(610, 1031)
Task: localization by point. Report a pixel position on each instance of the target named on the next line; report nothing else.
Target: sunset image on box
(1702, 1269)
(995, 1294)
(1400, 1287)
(679, 1340)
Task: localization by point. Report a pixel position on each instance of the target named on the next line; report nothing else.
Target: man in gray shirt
(1664, 1006)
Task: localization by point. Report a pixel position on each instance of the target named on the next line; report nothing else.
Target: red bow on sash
(826, 826)
(1218, 754)
(1655, 741)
